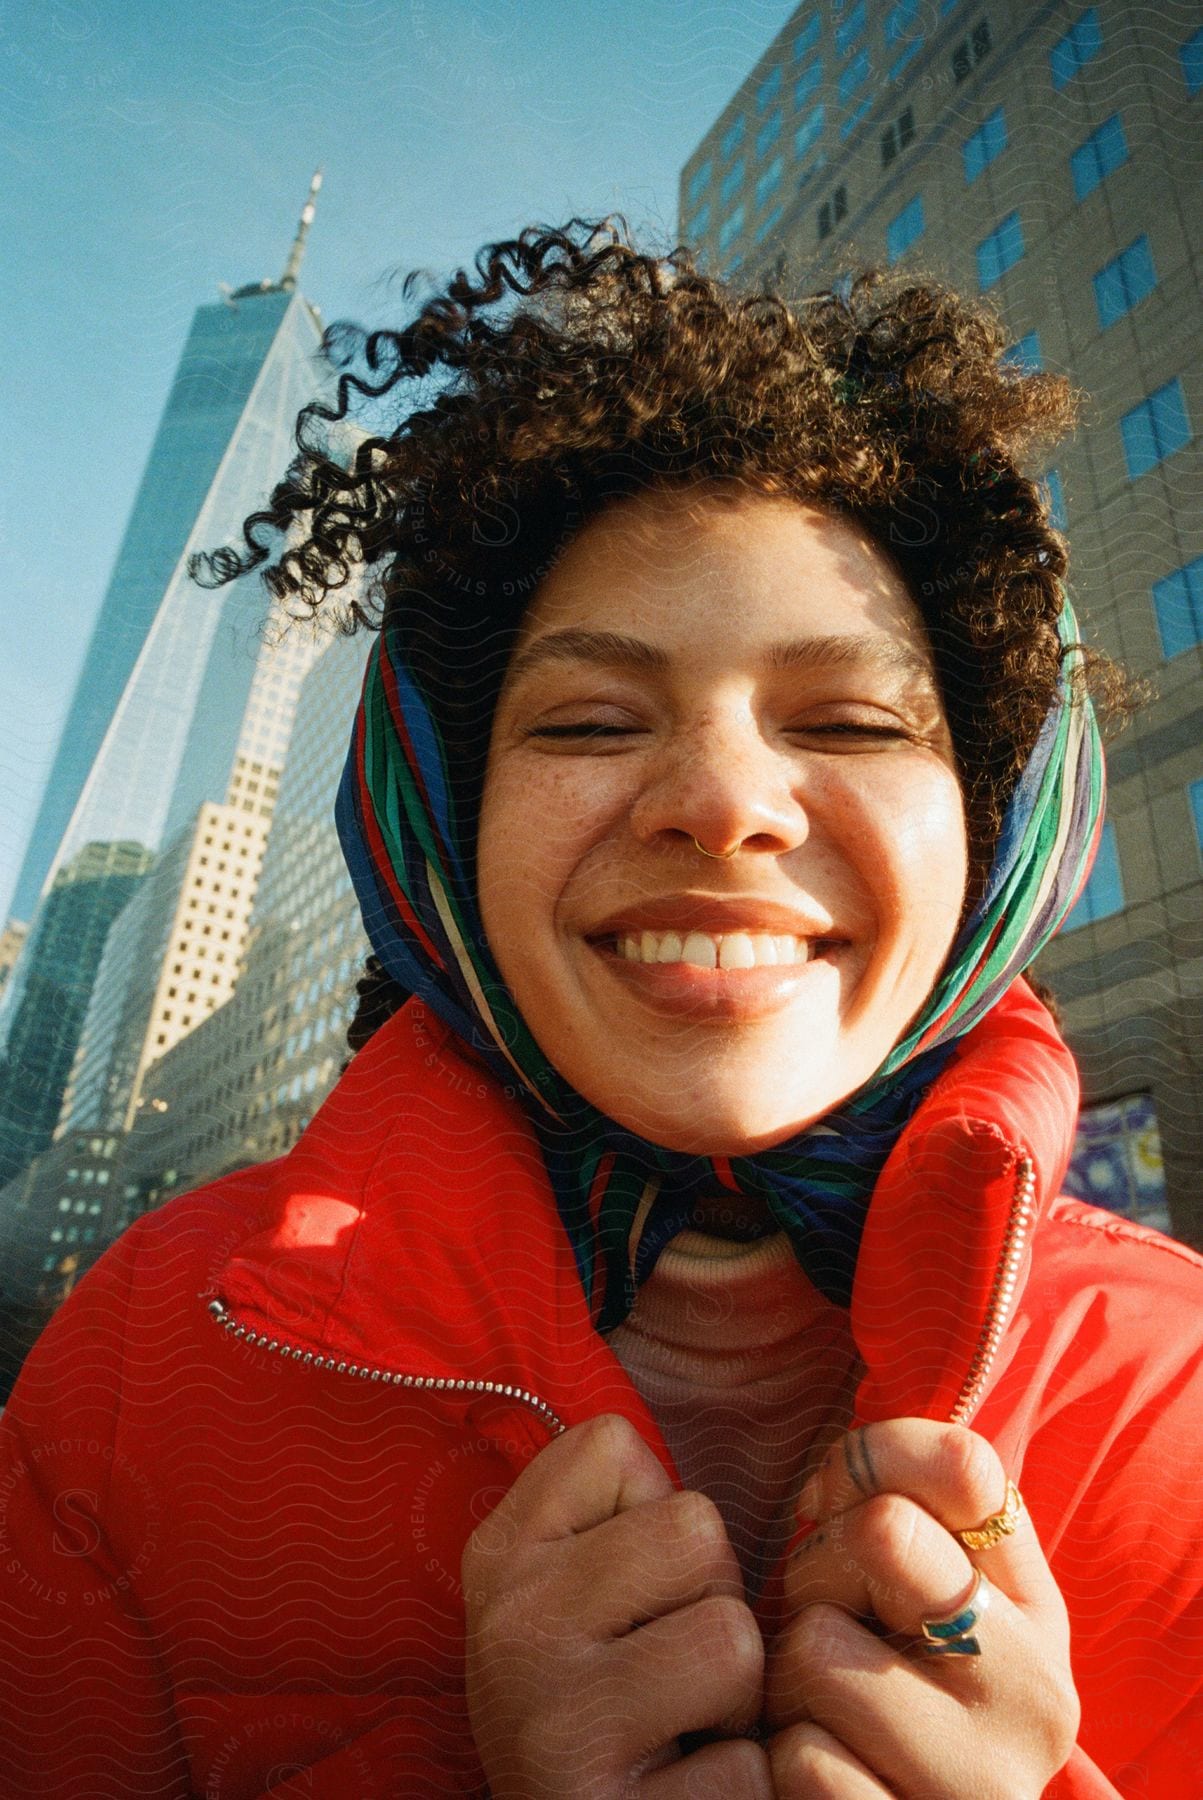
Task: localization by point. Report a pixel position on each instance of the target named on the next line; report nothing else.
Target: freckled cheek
(536, 828)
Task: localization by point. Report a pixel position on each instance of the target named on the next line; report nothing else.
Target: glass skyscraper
(154, 725)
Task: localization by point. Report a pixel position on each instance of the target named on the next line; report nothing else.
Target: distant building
(63, 953)
(174, 954)
(242, 1087)
(1047, 158)
(156, 726)
(247, 368)
(11, 940)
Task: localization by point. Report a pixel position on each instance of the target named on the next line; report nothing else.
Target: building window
(987, 142)
(849, 29)
(1124, 281)
(768, 90)
(732, 181)
(808, 81)
(700, 223)
(731, 226)
(808, 37)
(1155, 429)
(769, 181)
(769, 132)
(832, 211)
(1103, 894)
(971, 51)
(1103, 151)
(1000, 251)
(1178, 603)
(1056, 500)
(809, 130)
(1072, 52)
(1190, 55)
(899, 63)
(854, 76)
(699, 181)
(904, 229)
(733, 137)
(1024, 354)
(762, 231)
(897, 136)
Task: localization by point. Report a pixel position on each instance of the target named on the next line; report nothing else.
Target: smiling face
(752, 674)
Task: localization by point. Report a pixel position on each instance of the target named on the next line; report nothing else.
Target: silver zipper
(367, 1372)
(1002, 1292)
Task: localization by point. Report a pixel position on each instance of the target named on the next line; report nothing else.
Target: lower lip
(693, 992)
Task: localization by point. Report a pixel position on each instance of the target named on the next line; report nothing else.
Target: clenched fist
(606, 1617)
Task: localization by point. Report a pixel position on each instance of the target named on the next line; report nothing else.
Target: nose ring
(718, 855)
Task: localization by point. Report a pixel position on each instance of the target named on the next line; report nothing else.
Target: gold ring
(718, 855)
(998, 1526)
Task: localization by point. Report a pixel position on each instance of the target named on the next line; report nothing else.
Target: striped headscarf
(620, 1197)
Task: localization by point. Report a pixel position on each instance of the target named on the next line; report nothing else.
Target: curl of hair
(575, 370)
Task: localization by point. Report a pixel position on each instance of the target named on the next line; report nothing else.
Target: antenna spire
(292, 267)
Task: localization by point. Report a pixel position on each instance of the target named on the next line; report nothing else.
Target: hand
(605, 1617)
(859, 1710)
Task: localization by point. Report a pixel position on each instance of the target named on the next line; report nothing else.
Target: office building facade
(64, 952)
(242, 1087)
(1046, 157)
(157, 725)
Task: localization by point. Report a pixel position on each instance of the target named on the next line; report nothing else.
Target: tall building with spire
(154, 727)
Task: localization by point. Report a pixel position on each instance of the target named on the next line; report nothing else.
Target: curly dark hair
(577, 369)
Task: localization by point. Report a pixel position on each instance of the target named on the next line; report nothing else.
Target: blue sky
(155, 148)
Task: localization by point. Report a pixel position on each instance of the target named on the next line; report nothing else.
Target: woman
(664, 1365)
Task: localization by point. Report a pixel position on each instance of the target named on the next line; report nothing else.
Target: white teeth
(726, 950)
(736, 952)
(700, 950)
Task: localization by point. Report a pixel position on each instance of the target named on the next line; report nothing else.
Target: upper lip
(717, 914)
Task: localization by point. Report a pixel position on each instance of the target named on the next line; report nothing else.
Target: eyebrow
(866, 650)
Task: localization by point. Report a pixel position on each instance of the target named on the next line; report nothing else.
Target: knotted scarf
(621, 1198)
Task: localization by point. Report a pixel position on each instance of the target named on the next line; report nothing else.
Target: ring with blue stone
(952, 1635)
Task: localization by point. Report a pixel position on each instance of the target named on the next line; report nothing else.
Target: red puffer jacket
(240, 1466)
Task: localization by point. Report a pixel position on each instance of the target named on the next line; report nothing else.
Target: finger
(889, 1559)
(643, 1563)
(955, 1475)
(702, 1667)
(583, 1477)
(735, 1770)
(807, 1763)
(911, 1733)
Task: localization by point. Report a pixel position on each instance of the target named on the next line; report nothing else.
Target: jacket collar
(412, 1231)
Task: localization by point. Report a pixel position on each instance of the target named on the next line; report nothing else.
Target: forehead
(666, 565)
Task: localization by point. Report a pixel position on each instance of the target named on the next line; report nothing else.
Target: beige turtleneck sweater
(749, 1371)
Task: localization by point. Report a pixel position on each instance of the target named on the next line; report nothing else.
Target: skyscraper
(61, 958)
(154, 726)
(1047, 158)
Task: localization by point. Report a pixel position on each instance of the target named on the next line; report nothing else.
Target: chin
(706, 1132)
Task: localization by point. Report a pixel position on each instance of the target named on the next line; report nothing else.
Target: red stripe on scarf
(381, 861)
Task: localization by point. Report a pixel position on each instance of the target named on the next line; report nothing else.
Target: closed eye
(579, 731)
(845, 729)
